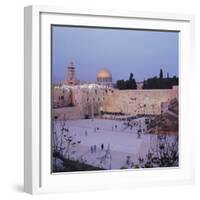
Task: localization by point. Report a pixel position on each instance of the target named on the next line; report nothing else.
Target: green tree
(131, 76)
(127, 84)
(161, 74)
(120, 84)
(168, 75)
(158, 83)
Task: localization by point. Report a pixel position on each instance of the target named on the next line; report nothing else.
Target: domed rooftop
(104, 73)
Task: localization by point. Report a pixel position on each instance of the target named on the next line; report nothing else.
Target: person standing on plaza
(91, 149)
(95, 148)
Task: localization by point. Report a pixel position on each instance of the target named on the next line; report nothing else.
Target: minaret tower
(71, 73)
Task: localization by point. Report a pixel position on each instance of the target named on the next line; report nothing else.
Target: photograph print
(114, 99)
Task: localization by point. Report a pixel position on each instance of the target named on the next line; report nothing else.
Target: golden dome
(104, 73)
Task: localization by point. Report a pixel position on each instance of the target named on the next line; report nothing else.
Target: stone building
(62, 97)
(85, 100)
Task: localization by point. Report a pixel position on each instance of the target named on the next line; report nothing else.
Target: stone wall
(67, 113)
(91, 100)
(61, 97)
(139, 101)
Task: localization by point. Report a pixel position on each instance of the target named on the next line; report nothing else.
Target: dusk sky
(121, 51)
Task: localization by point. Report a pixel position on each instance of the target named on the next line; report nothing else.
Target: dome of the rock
(104, 77)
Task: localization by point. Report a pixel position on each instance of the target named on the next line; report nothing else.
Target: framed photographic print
(107, 101)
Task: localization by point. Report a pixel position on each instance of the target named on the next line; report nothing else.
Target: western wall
(79, 102)
(139, 101)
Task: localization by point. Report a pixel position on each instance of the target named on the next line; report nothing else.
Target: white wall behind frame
(11, 100)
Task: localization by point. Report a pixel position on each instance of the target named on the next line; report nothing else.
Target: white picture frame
(37, 168)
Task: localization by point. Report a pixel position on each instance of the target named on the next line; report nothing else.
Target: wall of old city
(66, 113)
(89, 99)
(139, 101)
(62, 97)
(92, 100)
(82, 100)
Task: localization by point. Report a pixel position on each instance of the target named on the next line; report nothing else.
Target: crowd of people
(127, 124)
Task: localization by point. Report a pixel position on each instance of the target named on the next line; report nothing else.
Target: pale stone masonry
(139, 101)
(90, 99)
